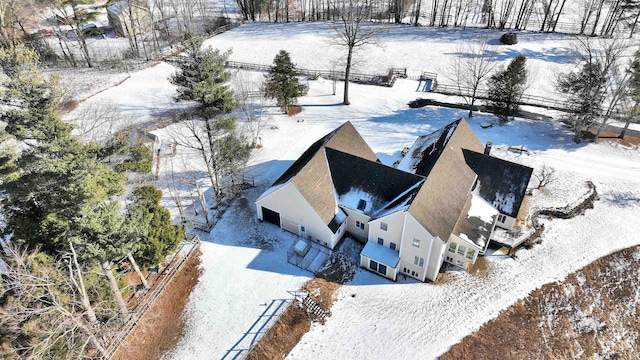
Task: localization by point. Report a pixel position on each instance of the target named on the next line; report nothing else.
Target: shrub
(293, 110)
(162, 236)
(68, 105)
(509, 38)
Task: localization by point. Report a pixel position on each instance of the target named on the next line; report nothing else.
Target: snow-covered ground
(244, 262)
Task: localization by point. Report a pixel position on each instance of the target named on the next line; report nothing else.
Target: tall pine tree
(202, 77)
(282, 82)
(507, 86)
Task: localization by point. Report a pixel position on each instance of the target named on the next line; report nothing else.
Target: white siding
(430, 250)
(294, 211)
(508, 223)
(392, 273)
(395, 226)
(461, 260)
(352, 217)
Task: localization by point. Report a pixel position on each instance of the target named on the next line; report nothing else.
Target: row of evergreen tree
(66, 219)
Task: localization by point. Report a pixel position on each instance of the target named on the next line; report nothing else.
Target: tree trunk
(347, 72)
(122, 306)
(133, 262)
(4, 38)
(203, 203)
(419, 2)
(624, 130)
(473, 100)
(91, 315)
(546, 16)
(635, 23)
(558, 16)
(92, 338)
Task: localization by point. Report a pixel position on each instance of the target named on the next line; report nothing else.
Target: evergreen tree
(161, 236)
(506, 87)
(202, 77)
(282, 82)
(586, 91)
(54, 176)
(56, 190)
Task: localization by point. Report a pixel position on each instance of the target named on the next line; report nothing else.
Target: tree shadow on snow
(556, 55)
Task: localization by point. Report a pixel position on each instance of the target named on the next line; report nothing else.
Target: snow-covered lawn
(244, 262)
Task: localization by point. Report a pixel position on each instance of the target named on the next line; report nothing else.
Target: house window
(392, 246)
(470, 254)
(362, 204)
(359, 225)
(418, 261)
(416, 243)
(381, 241)
(383, 226)
(449, 259)
(452, 247)
(461, 250)
(373, 265)
(382, 269)
(502, 218)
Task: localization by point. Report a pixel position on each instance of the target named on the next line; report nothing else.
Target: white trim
(426, 269)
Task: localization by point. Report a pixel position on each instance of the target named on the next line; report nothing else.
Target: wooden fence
(389, 79)
(373, 79)
(483, 94)
(189, 245)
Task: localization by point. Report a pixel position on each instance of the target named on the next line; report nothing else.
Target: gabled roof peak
(426, 150)
(344, 138)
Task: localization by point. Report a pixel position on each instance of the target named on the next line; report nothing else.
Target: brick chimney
(487, 148)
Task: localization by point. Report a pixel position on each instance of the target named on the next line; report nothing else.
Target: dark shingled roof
(443, 196)
(446, 164)
(501, 183)
(426, 150)
(383, 183)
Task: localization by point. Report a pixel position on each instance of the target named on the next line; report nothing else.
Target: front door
(302, 231)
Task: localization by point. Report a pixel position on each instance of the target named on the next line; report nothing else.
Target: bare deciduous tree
(251, 105)
(97, 122)
(469, 70)
(545, 176)
(134, 264)
(174, 186)
(40, 292)
(593, 92)
(353, 33)
(72, 14)
(75, 274)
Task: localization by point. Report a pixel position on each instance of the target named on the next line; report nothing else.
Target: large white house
(440, 204)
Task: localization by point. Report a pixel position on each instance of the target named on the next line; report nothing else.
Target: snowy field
(244, 262)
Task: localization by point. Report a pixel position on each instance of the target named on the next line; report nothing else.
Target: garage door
(270, 216)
